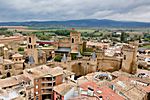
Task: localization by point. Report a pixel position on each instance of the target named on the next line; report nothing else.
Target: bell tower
(75, 40)
(129, 61)
(32, 48)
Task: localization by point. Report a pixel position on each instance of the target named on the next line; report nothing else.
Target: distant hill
(80, 23)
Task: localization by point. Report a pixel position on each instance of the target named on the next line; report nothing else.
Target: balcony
(48, 87)
(46, 81)
(47, 91)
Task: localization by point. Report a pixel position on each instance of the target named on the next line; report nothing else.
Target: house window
(124, 57)
(49, 84)
(10, 67)
(6, 67)
(29, 40)
(42, 91)
(43, 84)
(54, 84)
(36, 86)
(36, 93)
(49, 90)
(37, 98)
(36, 80)
(29, 46)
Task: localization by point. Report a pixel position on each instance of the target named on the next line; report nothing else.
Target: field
(147, 47)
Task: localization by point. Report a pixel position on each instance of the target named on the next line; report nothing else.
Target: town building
(45, 81)
(11, 67)
(70, 45)
(93, 90)
(127, 62)
(64, 91)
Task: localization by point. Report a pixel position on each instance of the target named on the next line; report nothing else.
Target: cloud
(26, 10)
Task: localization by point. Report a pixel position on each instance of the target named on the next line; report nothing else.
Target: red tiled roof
(147, 89)
(107, 93)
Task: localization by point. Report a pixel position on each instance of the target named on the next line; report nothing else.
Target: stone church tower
(18, 63)
(130, 57)
(32, 48)
(75, 40)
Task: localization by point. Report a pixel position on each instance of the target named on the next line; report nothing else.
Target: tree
(20, 49)
(73, 56)
(58, 58)
(62, 32)
(3, 29)
(123, 37)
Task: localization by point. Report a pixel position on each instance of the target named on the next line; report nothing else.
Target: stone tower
(18, 62)
(75, 40)
(5, 53)
(32, 47)
(129, 61)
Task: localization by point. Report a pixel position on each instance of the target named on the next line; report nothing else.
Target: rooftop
(7, 61)
(43, 70)
(63, 88)
(103, 91)
(97, 44)
(63, 49)
(125, 86)
(13, 81)
(84, 98)
(68, 73)
(17, 55)
(8, 95)
(2, 45)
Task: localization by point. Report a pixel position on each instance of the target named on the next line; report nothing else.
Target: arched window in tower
(28, 46)
(29, 39)
(124, 57)
(72, 40)
(8, 74)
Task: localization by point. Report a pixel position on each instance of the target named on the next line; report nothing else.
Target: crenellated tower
(129, 61)
(32, 51)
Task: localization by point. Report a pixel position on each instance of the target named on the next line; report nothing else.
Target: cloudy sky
(31, 10)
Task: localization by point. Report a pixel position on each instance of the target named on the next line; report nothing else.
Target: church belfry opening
(72, 40)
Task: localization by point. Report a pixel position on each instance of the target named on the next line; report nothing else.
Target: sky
(50, 10)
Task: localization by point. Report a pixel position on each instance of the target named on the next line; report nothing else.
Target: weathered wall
(108, 63)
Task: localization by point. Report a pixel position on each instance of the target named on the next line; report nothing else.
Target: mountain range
(81, 23)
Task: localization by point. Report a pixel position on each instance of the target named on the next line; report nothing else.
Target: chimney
(90, 91)
(100, 97)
